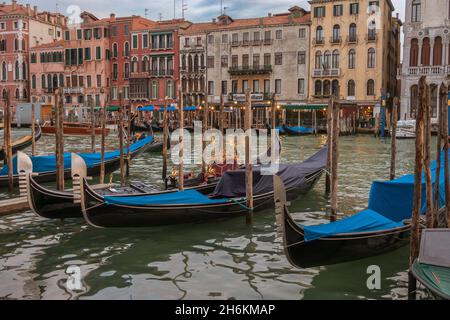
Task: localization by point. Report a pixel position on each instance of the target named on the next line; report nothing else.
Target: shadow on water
(216, 260)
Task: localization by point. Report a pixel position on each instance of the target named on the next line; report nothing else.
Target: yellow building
(351, 49)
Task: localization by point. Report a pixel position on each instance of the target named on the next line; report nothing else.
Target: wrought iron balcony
(352, 39)
(161, 72)
(371, 37)
(336, 40)
(318, 41)
(332, 72)
(243, 70)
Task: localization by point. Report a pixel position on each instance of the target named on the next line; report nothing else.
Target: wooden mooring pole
(165, 139)
(181, 143)
(334, 160)
(33, 130)
(103, 138)
(205, 128)
(329, 135)
(128, 156)
(444, 104)
(59, 137)
(92, 126)
(248, 164)
(393, 138)
(427, 156)
(439, 138)
(417, 199)
(7, 140)
(121, 142)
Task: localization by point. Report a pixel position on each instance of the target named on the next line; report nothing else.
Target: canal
(216, 260)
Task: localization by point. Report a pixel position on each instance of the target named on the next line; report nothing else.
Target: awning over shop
(148, 108)
(304, 106)
(113, 108)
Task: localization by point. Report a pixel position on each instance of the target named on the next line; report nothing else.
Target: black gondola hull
(338, 249)
(22, 145)
(98, 214)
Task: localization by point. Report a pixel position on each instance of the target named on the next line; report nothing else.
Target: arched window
(134, 64)
(335, 60)
(371, 58)
(4, 71)
(17, 94)
(426, 47)
(372, 30)
(49, 81)
(414, 53)
(319, 61)
(183, 62)
(335, 88)
(61, 80)
(327, 59)
(25, 94)
(126, 49)
(416, 11)
(336, 33)
(33, 81)
(326, 88)
(437, 52)
(352, 59)
(43, 86)
(169, 89)
(115, 50)
(23, 45)
(319, 34)
(16, 44)
(145, 64)
(414, 101)
(24, 71)
(318, 88)
(351, 88)
(352, 32)
(190, 63)
(17, 71)
(370, 87)
(4, 94)
(155, 89)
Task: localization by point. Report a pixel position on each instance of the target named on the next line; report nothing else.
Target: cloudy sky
(197, 10)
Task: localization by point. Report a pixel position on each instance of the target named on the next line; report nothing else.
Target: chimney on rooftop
(34, 11)
(112, 17)
(14, 3)
(214, 20)
(270, 14)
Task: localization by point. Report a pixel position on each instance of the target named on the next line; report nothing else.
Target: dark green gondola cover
(434, 278)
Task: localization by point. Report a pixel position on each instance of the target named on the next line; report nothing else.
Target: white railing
(334, 72)
(429, 70)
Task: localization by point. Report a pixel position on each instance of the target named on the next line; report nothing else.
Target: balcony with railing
(161, 73)
(194, 70)
(248, 70)
(371, 37)
(353, 39)
(318, 41)
(321, 73)
(336, 40)
(73, 90)
(429, 71)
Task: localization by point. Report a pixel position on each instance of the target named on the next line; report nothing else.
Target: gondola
(22, 143)
(297, 130)
(383, 227)
(432, 268)
(73, 129)
(226, 201)
(44, 167)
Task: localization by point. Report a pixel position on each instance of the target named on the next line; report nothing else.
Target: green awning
(113, 108)
(304, 106)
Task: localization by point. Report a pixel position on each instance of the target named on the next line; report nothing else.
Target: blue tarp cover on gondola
(299, 129)
(365, 221)
(390, 203)
(173, 198)
(147, 108)
(48, 163)
(190, 108)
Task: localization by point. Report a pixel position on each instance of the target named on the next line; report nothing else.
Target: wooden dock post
(427, 155)
(7, 140)
(444, 104)
(92, 125)
(273, 105)
(205, 128)
(59, 137)
(334, 160)
(248, 164)
(102, 147)
(393, 138)
(439, 138)
(128, 156)
(33, 130)
(122, 160)
(417, 201)
(165, 138)
(181, 143)
(329, 137)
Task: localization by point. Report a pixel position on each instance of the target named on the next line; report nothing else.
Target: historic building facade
(426, 52)
(354, 49)
(154, 69)
(23, 27)
(227, 57)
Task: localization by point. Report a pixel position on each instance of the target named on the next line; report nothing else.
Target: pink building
(23, 27)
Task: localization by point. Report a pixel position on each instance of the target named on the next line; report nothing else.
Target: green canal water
(216, 260)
